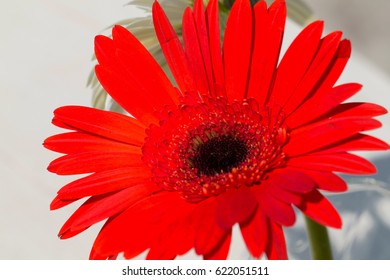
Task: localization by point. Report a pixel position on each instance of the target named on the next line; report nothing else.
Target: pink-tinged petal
(326, 51)
(276, 247)
(194, 52)
(77, 142)
(208, 232)
(359, 142)
(235, 206)
(255, 233)
(318, 135)
(172, 49)
(339, 162)
(212, 15)
(237, 47)
(296, 61)
(275, 209)
(322, 99)
(98, 208)
(327, 180)
(220, 252)
(98, 161)
(268, 35)
(104, 182)
(318, 208)
(106, 124)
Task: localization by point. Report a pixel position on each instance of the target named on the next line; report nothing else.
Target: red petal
(140, 64)
(202, 31)
(208, 233)
(102, 123)
(276, 247)
(326, 51)
(166, 245)
(275, 209)
(172, 49)
(177, 225)
(268, 27)
(220, 252)
(296, 61)
(321, 102)
(104, 182)
(115, 83)
(339, 162)
(215, 42)
(255, 233)
(58, 203)
(130, 60)
(291, 180)
(318, 208)
(135, 229)
(321, 134)
(124, 71)
(357, 109)
(286, 196)
(327, 180)
(98, 161)
(98, 208)
(194, 52)
(237, 49)
(96, 256)
(76, 142)
(359, 142)
(235, 206)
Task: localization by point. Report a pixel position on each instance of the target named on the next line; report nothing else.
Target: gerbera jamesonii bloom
(243, 139)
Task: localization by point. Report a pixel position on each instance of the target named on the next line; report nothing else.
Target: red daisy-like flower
(242, 139)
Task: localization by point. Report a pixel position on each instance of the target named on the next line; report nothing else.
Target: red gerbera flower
(241, 140)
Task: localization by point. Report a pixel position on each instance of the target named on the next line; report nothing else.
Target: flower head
(242, 139)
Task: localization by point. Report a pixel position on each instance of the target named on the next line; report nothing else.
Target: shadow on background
(365, 210)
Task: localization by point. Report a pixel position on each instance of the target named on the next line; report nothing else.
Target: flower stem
(319, 240)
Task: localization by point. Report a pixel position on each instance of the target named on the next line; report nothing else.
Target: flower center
(206, 148)
(219, 155)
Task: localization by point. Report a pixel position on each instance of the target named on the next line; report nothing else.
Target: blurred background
(46, 48)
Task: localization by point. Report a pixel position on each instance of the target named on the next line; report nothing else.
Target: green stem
(319, 240)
